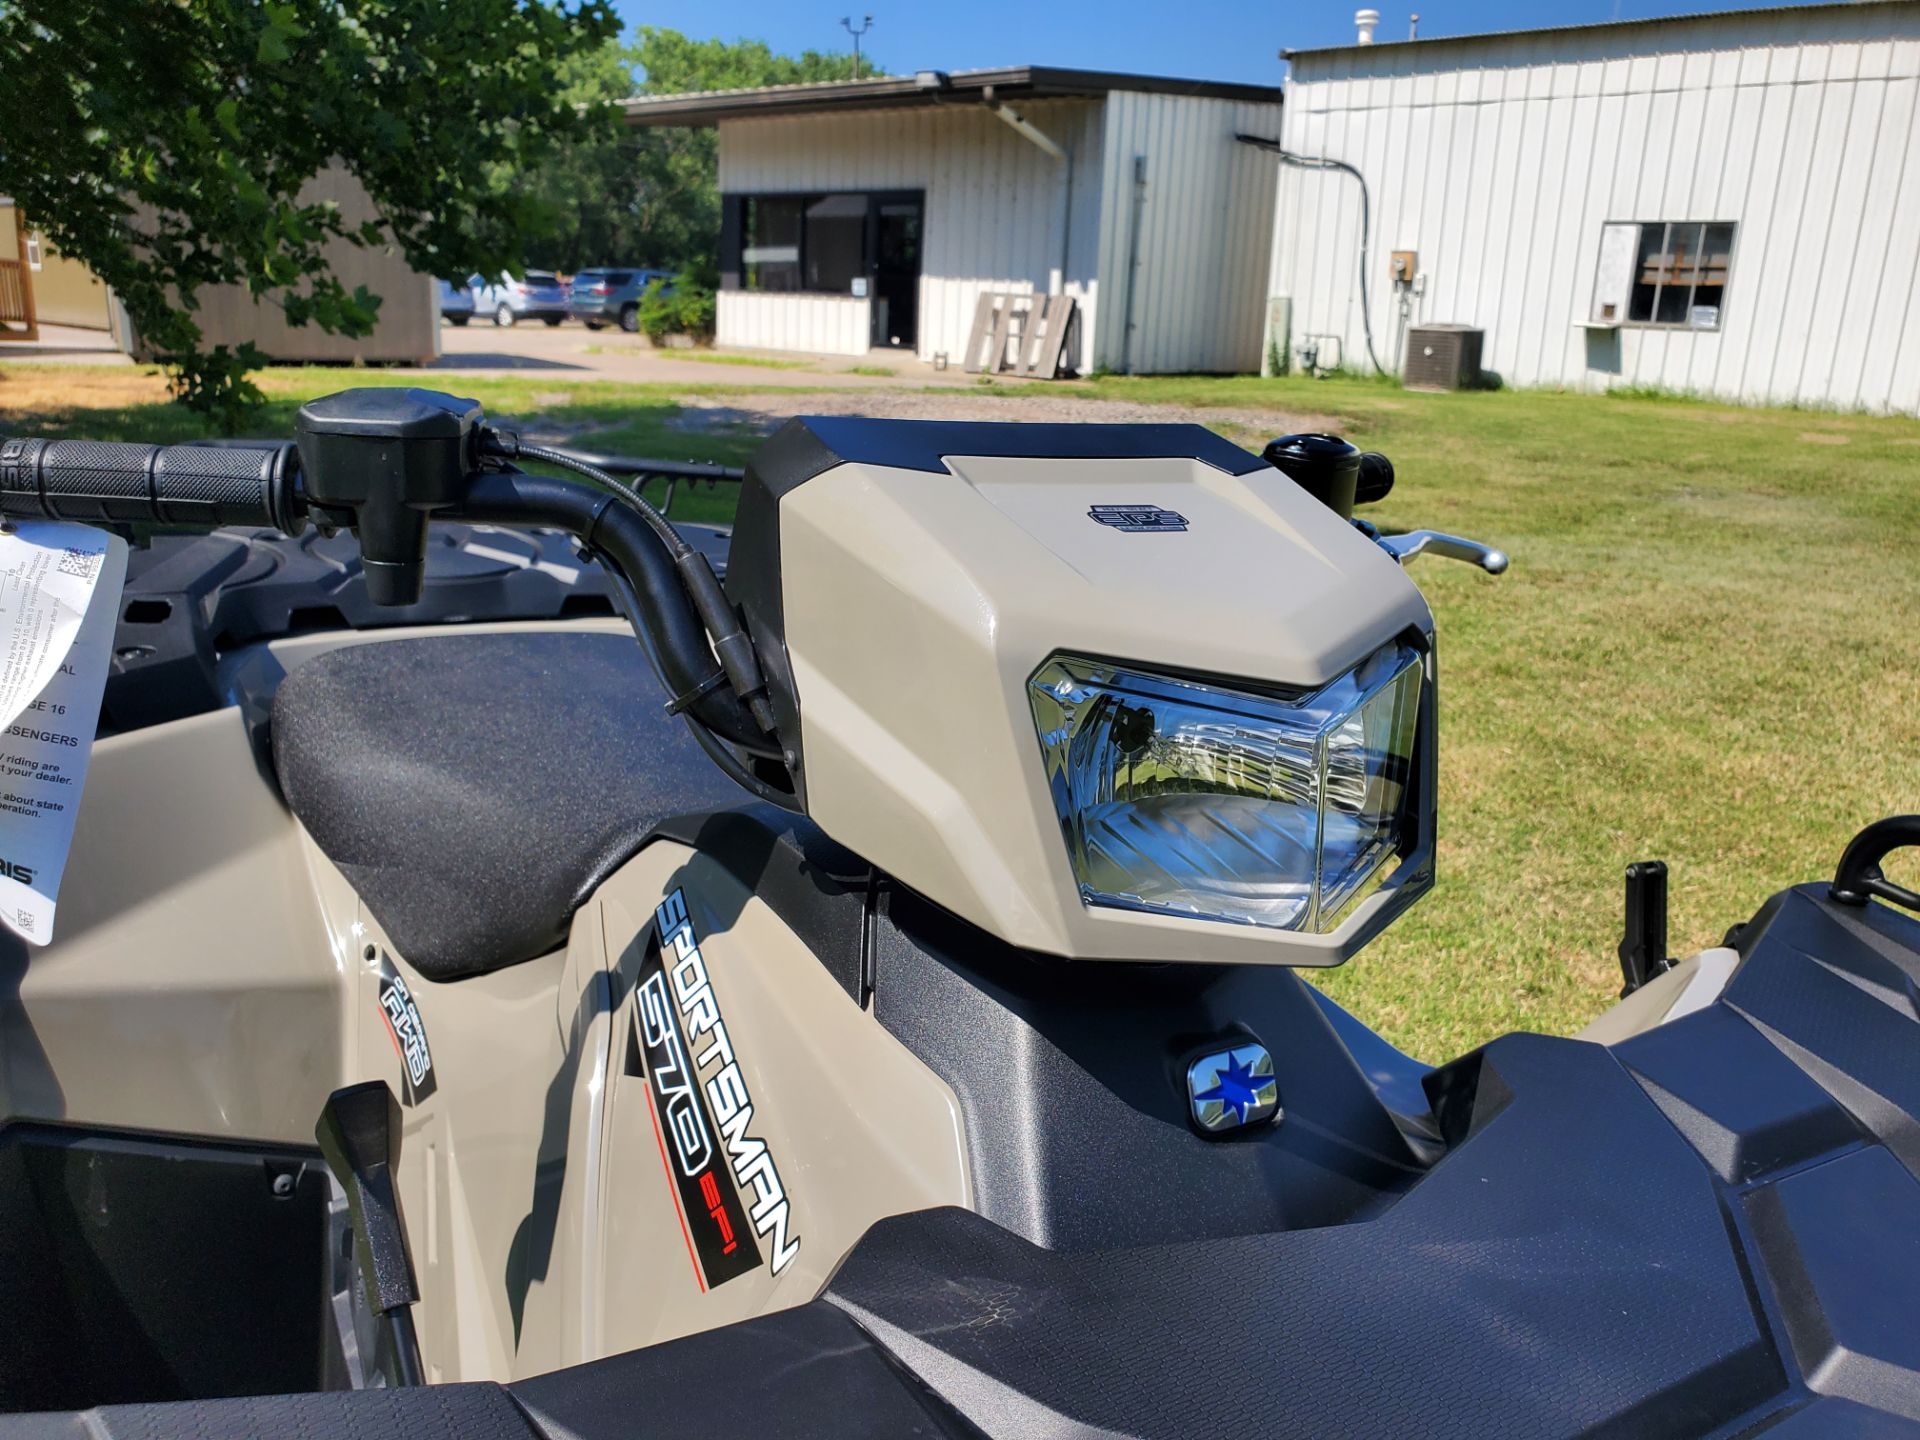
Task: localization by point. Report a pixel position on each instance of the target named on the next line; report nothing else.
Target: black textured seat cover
(475, 788)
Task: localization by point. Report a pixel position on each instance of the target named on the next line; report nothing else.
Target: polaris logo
(13, 871)
(1233, 1089)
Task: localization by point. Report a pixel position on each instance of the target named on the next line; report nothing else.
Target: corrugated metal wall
(1500, 159)
(993, 213)
(819, 324)
(1197, 234)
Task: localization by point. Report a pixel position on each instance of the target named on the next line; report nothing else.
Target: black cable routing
(1308, 162)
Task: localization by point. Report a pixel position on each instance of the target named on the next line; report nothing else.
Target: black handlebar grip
(199, 486)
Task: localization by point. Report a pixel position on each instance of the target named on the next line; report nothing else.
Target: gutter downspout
(1045, 142)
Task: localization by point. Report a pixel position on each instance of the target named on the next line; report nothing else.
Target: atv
(870, 1004)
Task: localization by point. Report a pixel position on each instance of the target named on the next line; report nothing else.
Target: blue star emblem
(1233, 1088)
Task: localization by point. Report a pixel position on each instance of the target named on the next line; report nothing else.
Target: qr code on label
(81, 564)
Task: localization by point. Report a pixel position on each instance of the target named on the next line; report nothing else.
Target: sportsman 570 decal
(705, 1111)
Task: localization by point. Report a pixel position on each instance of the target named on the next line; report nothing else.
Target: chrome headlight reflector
(1188, 798)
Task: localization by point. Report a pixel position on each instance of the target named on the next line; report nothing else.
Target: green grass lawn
(1707, 651)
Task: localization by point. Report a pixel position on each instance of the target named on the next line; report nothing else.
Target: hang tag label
(59, 598)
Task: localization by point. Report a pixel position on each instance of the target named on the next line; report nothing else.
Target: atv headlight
(1193, 799)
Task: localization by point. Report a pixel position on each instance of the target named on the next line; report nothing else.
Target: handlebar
(204, 486)
(386, 462)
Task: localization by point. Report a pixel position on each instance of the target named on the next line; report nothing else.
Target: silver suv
(537, 295)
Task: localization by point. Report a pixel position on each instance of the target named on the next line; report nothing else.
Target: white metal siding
(1205, 220)
(993, 213)
(1499, 160)
(819, 324)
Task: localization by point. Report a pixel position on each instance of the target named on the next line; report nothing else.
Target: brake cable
(731, 644)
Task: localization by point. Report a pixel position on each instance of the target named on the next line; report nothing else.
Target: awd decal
(409, 1032)
(728, 1186)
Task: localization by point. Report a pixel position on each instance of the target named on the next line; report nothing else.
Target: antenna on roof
(846, 23)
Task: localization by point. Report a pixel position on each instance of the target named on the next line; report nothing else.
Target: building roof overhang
(925, 88)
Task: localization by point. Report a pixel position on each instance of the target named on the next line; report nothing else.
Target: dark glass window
(1680, 275)
(835, 242)
(770, 241)
(827, 244)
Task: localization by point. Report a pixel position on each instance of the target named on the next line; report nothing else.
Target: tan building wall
(408, 330)
(65, 292)
(16, 289)
(409, 325)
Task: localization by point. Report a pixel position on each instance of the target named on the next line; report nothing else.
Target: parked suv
(456, 302)
(537, 295)
(604, 297)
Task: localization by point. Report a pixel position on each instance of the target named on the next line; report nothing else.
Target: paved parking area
(573, 351)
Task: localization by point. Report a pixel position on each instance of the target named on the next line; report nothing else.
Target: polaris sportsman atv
(867, 1006)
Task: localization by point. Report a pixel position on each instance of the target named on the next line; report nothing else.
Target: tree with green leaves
(165, 143)
(647, 197)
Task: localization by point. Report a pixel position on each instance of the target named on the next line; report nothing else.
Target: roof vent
(1366, 20)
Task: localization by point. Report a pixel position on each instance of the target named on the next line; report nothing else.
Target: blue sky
(1209, 39)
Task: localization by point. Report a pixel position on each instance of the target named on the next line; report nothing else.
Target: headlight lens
(1193, 799)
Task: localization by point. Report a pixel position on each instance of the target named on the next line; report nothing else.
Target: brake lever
(1421, 542)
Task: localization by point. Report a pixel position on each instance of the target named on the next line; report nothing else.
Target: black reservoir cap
(1325, 466)
(401, 412)
(381, 460)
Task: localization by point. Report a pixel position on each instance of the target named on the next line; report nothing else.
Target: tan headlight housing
(920, 590)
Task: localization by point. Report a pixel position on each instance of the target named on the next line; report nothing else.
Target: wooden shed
(38, 283)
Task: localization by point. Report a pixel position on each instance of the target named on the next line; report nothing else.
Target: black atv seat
(476, 788)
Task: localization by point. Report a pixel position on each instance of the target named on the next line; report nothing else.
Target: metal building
(874, 213)
(1723, 204)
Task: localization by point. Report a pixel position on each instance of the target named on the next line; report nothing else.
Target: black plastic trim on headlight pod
(927, 444)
